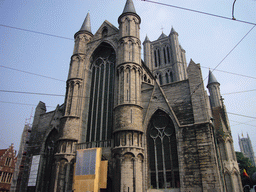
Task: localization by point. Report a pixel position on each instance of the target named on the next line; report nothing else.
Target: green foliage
(245, 163)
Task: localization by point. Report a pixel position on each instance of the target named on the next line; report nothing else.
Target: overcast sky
(206, 39)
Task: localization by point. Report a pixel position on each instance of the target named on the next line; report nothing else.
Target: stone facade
(7, 166)
(152, 118)
(246, 148)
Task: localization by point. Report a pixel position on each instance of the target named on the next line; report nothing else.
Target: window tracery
(163, 156)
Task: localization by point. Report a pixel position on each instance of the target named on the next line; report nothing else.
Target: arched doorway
(49, 162)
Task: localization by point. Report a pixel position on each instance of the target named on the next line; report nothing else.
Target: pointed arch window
(99, 126)
(165, 61)
(155, 58)
(167, 77)
(168, 55)
(47, 177)
(159, 58)
(162, 152)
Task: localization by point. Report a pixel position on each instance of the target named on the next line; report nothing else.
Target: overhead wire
(37, 32)
(22, 92)
(197, 87)
(31, 73)
(238, 92)
(201, 12)
(232, 73)
(139, 53)
(15, 103)
(239, 123)
(59, 95)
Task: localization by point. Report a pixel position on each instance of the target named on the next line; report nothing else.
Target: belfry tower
(128, 132)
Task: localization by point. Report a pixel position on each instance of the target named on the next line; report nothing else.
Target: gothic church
(156, 126)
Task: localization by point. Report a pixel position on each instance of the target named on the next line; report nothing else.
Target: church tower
(128, 131)
(214, 89)
(70, 122)
(131, 125)
(229, 167)
(246, 148)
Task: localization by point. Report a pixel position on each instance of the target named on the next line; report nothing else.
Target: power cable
(32, 93)
(238, 92)
(201, 12)
(23, 104)
(32, 73)
(88, 97)
(234, 47)
(239, 123)
(58, 95)
(230, 72)
(197, 87)
(242, 115)
(37, 32)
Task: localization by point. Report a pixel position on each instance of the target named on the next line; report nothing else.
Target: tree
(245, 166)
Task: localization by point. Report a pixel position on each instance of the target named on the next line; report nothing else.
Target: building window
(99, 125)
(167, 77)
(164, 56)
(159, 58)
(155, 58)
(162, 151)
(168, 55)
(105, 32)
(171, 77)
(8, 161)
(160, 79)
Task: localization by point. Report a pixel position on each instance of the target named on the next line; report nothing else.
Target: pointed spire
(211, 78)
(173, 31)
(146, 39)
(87, 24)
(162, 36)
(129, 7)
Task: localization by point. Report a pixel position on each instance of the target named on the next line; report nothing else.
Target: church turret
(147, 53)
(83, 36)
(70, 122)
(214, 89)
(178, 57)
(128, 130)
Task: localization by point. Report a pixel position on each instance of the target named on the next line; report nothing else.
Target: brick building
(7, 166)
(157, 127)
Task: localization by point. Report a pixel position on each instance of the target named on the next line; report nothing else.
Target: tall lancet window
(162, 151)
(99, 127)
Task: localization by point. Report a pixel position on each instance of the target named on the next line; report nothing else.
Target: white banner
(34, 170)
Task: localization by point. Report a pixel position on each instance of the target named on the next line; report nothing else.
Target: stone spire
(129, 7)
(146, 39)
(214, 89)
(162, 36)
(86, 24)
(211, 79)
(173, 31)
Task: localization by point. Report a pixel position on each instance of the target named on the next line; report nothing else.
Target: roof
(146, 39)
(2, 151)
(86, 24)
(129, 7)
(211, 78)
(162, 36)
